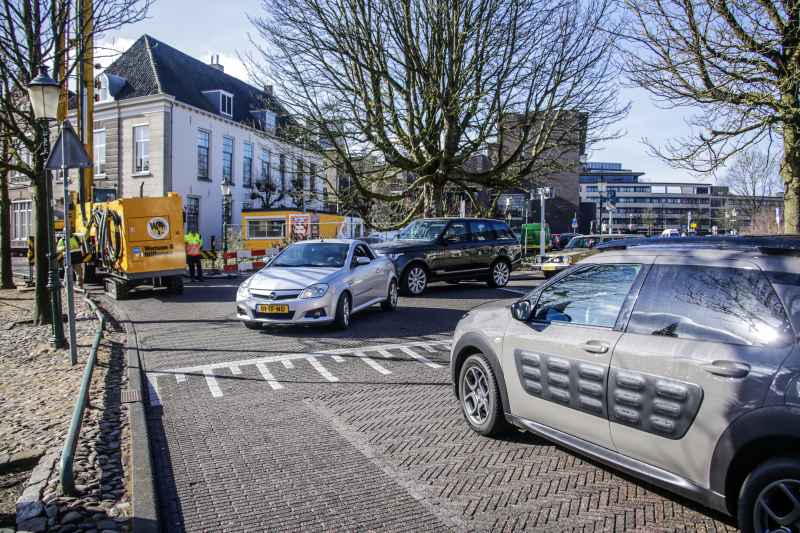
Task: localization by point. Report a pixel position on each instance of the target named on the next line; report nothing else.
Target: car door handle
(594, 348)
(728, 369)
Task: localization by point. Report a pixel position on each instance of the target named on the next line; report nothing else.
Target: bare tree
(763, 222)
(421, 87)
(267, 188)
(649, 219)
(753, 178)
(6, 276)
(34, 33)
(737, 60)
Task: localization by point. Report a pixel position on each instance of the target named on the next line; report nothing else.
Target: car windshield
(583, 242)
(312, 254)
(422, 230)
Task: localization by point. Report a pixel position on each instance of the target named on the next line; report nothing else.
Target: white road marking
(287, 363)
(338, 358)
(152, 384)
(235, 370)
(180, 377)
(513, 290)
(419, 358)
(268, 376)
(384, 353)
(211, 381)
(321, 369)
(372, 363)
(304, 355)
(429, 349)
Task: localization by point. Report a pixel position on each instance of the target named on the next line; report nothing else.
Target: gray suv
(673, 360)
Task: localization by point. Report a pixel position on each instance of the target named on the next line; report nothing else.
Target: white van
(670, 233)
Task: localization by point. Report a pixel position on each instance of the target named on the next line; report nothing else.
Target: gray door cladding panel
(657, 405)
(574, 383)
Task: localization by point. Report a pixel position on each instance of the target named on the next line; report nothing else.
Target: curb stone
(30, 505)
(143, 487)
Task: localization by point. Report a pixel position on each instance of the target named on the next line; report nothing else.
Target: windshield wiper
(280, 265)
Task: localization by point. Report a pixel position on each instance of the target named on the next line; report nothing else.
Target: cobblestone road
(311, 429)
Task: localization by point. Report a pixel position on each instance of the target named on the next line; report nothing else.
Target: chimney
(216, 65)
(268, 89)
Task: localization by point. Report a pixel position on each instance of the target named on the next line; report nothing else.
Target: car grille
(552, 259)
(274, 316)
(279, 295)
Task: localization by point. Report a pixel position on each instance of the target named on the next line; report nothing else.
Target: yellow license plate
(548, 267)
(273, 308)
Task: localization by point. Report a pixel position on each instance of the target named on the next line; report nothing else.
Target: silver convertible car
(314, 282)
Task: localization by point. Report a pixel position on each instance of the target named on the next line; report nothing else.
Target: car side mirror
(361, 261)
(523, 310)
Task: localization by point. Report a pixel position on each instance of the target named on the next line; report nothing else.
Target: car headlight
(538, 258)
(568, 259)
(314, 291)
(244, 289)
(394, 257)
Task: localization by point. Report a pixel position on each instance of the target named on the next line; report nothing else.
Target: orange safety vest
(193, 244)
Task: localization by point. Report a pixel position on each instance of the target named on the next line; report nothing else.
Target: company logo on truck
(158, 228)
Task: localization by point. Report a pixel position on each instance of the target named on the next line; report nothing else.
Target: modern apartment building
(165, 121)
(654, 207)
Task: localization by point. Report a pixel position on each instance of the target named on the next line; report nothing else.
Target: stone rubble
(38, 391)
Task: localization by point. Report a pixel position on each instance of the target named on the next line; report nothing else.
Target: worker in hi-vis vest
(75, 256)
(193, 244)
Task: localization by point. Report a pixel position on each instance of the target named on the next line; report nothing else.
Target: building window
(247, 166)
(227, 160)
(264, 229)
(265, 165)
(192, 212)
(141, 155)
(247, 205)
(270, 120)
(22, 219)
(25, 159)
(99, 153)
(282, 171)
(312, 178)
(202, 154)
(226, 104)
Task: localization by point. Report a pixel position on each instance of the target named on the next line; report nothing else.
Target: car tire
(768, 486)
(479, 397)
(343, 312)
(415, 280)
(548, 274)
(253, 325)
(390, 303)
(499, 274)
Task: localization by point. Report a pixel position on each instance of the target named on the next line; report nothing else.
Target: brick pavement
(372, 451)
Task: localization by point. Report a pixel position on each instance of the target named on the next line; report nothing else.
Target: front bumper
(551, 267)
(246, 310)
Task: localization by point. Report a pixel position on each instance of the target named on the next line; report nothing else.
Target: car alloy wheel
(476, 396)
(346, 312)
(500, 273)
(393, 294)
(777, 508)
(417, 280)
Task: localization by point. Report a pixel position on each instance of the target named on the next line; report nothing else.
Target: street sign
(611, 200)
(68, 151)
(684, 227)
(694, 224)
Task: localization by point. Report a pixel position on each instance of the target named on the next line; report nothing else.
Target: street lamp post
(601, 188)
(226, 197)
(734, 213)
(44, 94)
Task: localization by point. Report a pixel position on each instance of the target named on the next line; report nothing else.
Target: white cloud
(108, 49)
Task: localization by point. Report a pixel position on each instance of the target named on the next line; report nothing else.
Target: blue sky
(207, 29)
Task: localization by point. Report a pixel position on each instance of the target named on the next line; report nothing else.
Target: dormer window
(269, 118)
(226, 104)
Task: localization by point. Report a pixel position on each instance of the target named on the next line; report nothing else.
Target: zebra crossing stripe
(372, 363)
(321, 369)
(287, 363)
(385, 353)
(211, 381)
(419, 358)
(235, 370)
(268, 376)
(338, 358)
(180, 377)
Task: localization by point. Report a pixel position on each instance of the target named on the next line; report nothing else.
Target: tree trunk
(790, 174)
(6, 277)
(42, 314)
(433, 200)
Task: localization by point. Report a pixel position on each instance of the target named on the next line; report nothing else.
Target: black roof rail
(788, 244)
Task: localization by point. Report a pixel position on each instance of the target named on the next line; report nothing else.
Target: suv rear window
(717, 304)
(502, 231)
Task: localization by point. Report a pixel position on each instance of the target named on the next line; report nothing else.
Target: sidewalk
(38, 391)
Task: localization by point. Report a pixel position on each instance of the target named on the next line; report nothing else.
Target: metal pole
(53, 282)
(224, 228)
(73, 343)
(525, 244)
(541, 228)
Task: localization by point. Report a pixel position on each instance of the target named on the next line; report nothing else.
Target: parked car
(674, 360)
(578, 248)
(670, 233)
(316, 282)
(372, 240)
(452, 249)
(554, 238)
(385, 235)
(564, 239)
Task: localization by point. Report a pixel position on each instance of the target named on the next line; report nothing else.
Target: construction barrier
(248, 253)
(208, 254)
